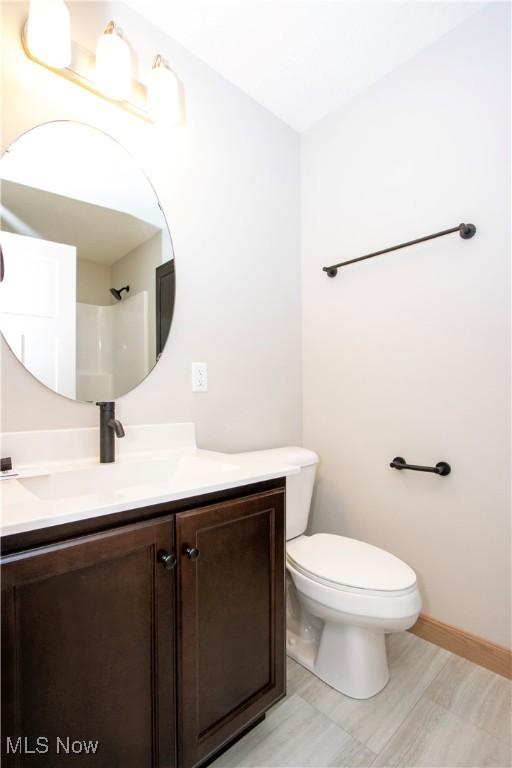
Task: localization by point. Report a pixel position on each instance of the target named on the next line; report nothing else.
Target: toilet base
(352, 660)
(300, 650)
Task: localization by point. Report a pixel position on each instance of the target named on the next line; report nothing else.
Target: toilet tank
(299, 488)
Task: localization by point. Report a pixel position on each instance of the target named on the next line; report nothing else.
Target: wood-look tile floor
(437, 711)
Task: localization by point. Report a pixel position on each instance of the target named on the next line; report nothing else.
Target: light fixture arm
(108, 72)
(81, 72)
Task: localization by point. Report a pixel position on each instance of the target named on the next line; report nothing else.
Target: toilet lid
(349, 562)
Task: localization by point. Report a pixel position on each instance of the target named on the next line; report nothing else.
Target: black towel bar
(441, 468)
(466, 231)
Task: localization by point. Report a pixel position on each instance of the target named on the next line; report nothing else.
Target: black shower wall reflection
(87, 298)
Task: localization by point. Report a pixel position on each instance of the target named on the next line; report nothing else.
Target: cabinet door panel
(231, 620)
(88, 651)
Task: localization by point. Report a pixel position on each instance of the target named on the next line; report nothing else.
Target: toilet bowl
(343, 595)
(359, 593)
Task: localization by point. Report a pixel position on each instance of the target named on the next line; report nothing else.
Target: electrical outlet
(199, 377)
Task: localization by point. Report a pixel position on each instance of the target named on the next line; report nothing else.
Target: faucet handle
(6, 464)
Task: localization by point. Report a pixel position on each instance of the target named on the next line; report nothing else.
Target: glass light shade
(164, 104)
(113, 65)
(49, 32)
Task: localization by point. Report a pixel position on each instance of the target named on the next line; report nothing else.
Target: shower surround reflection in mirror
(88, 292)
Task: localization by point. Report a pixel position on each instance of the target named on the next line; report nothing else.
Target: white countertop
(63, 492)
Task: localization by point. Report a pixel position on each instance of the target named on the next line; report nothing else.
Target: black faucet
(110, 428)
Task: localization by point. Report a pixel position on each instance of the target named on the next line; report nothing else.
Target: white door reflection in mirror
(37, 307)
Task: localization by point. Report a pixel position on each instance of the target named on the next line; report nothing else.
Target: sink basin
(59, 480)
(174, 471)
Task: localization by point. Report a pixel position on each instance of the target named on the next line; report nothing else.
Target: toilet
(343, 595)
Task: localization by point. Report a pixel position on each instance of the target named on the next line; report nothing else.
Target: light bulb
(49, 32)
(164, 105)
(113, 65)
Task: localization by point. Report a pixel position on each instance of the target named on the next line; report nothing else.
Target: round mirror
(86, 265)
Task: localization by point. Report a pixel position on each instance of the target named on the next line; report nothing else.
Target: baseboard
(475, 649)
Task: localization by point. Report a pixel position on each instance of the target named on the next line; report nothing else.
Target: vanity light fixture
(46, 40)
(49, 32)
(164, 99)
(113, 74)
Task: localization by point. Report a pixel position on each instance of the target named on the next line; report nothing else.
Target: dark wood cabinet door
(231, 620)
(88, 650)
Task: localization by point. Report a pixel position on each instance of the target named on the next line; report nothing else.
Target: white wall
(138, 270)
(408, 354)
(229, 184)
(93, 282)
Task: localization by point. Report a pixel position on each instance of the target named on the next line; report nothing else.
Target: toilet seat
(350, 565)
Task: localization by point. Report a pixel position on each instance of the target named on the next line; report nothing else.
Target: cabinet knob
(168, 560)
(191, 552)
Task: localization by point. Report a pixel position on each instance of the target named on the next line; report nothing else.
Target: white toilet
(343, 595)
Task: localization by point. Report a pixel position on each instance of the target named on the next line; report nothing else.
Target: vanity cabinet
(231, 639)
(88, 649)
(162, 639)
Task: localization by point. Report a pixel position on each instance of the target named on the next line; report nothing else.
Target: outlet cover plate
(199, 377)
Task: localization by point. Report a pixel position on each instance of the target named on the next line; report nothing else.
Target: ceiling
(302, 59)
(100, 234)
